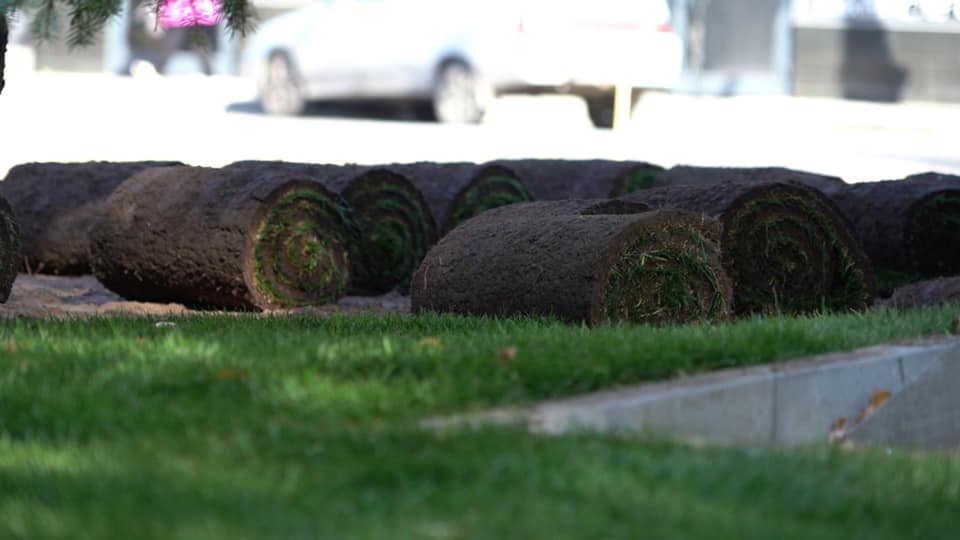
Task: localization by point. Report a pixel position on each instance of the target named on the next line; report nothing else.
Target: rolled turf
(9, 249)
(909, 228)
(785, 245)
(56, 206)
(554, 179)
(583, 261)
(926, 293)
(691, 175)
(395, 223)
(224, 238)
(456, 192)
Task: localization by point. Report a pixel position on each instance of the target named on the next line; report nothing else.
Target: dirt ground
(55, 297)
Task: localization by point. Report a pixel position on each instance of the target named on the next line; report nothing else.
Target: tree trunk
(9, 250)
(3, 47)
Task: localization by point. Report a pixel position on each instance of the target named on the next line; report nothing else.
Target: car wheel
(457, 95)
(280, 93)
(600, 108)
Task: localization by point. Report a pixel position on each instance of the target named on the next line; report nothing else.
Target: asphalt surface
(213, 121)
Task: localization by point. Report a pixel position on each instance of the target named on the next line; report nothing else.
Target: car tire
(280, 92)
(600, 108)
(458, 95)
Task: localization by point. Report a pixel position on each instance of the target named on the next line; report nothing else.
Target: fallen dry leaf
(879, 398)
(507, 354)
(10, 349)
(430, 343)
(231, 374)
(838, 430)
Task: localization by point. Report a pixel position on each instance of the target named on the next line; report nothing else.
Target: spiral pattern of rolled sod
(931, 234)
(669, 274)
(297, 261)
(9, 249)
(642, 177)
(787, 253)
(396, 230)
(487, 191)
(786, 246)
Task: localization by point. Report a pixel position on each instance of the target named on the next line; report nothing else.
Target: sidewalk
(51, 116)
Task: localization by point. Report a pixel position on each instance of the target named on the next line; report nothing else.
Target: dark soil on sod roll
(456, 192)
(57, 205)
(224, 238)
(565, 259)
(682, 175)
(785, 245)
(9, 249)
(930, 292)
(395, 223)
(909, 228)
(554, 179)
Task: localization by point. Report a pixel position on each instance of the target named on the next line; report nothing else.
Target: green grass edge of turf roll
(333, 283)
(655, 277)
(486, 193)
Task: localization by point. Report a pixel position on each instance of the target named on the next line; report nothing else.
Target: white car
(456, 55)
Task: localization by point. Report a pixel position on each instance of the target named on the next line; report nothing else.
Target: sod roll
(456, 192)
(682, 175)
(785, 245)
(578, 263)
(57, 205)
(9, 249)
(224, 238)
(554, 179)
(395, 223)
(908, 227)
(931, 292)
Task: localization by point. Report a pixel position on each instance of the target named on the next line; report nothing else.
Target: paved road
(211, 121)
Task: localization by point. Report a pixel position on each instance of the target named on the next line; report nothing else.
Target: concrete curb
(791, 403)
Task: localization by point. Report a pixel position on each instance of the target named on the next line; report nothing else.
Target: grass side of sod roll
(455, 192)
(909, 228)
(932, 232)
(232, 238)
(256, 427)
(394, 221)
(574, 260)
(785, 245)
(9, 249)
(396, 230)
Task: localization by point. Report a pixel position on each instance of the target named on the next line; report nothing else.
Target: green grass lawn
(244, 427)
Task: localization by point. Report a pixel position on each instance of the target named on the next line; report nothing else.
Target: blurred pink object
(181, 13)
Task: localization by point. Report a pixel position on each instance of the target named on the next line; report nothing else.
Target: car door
(388, 45)
(324, 49)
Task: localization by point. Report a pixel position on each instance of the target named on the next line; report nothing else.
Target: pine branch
(86, 18)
